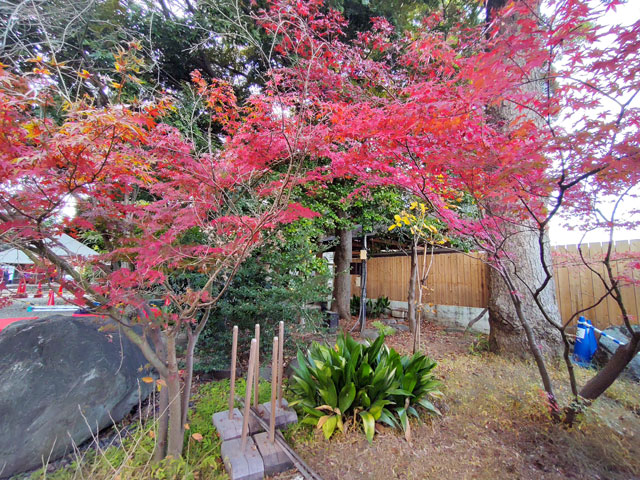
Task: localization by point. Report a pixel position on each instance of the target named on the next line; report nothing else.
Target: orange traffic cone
(52, 298)
(39, 292)
(22, 289)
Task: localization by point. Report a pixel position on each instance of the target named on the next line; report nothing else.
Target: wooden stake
(274, 388)
(280, 365)
(247, 395)
(234, 354)
(256, 378)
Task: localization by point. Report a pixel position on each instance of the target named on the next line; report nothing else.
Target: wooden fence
(454, 279)
(459, 279)
(578, 287)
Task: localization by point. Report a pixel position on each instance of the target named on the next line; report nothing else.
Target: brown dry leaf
(197, 437)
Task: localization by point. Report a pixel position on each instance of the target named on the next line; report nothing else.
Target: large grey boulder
(54, 372)
(607, 347)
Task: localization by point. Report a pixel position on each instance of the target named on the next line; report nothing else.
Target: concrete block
(241, 464)
(227, 428)
(284, 416)
(232, 428)
(273, 456)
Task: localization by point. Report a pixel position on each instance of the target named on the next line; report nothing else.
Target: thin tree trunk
(612, 370)
(176, 432)
(342, 279)
(163, 401)
(163, 424)
(413, 281)
(363, 290)
(188, 381)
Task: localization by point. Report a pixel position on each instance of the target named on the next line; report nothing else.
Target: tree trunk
(413, 281)
(188, 381)
(612, 370)
(342, 279)
(163, 400)
(506, 333)
(163, 424)
(176, 432)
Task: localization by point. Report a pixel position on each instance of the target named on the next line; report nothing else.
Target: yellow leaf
(197, 437)
(186, 426)
(147, 379)
(152, 434)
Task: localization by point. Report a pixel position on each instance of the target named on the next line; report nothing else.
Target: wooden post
(280, 365)
(274, 388)
(247, 395)
(234, 354)
(256, 377)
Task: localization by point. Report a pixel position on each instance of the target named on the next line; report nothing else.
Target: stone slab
(241, 464)
(273, 456)
(398, 313)
(284, 416)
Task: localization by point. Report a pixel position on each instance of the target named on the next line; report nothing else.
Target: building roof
(64, 246)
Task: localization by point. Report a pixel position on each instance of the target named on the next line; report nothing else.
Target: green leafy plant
(365, 383)
(383, 329)
(375, 308)
(355, 305)
(382, 304)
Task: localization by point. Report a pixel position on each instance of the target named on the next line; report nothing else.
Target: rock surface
(607, 347)
(53, 372)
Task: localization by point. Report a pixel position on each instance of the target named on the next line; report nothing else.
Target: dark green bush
(274, 284)
(367, 382)
(375, 308)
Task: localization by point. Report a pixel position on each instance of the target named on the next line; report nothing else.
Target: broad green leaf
(329, 426)
(427, 405)
(329, 394)
(369, 425)
(346, 397)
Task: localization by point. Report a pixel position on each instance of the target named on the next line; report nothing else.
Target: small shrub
(354, 305)
(367, 382)
(480, 345)
(375, 308)
(383, 329)
(382, 304)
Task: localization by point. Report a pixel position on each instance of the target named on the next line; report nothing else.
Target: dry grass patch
(495, 426)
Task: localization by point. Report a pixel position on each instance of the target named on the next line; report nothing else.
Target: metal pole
(234, 354)
(274, 388)
(247, 395)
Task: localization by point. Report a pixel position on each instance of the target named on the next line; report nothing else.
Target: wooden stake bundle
(256, 378)
(280, 365)
(234, 354)
(274, 387)
(300, 464)
(247, 395)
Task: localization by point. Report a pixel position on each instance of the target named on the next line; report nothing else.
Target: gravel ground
(18, 308)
